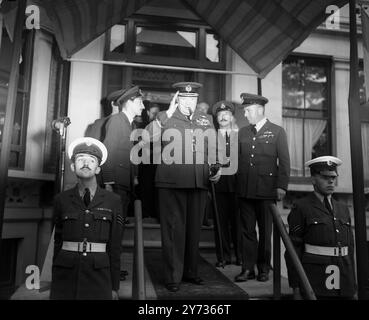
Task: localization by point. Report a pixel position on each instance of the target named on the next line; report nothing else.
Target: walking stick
(217, 222)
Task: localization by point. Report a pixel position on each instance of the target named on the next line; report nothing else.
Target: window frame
(326, 61)
(29, 36)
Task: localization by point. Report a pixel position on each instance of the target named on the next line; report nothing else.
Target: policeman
(88, 226)
(182, 185)
(226, 190)
(320, 229)
(262, 178)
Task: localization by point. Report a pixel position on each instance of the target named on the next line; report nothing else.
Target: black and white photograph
(184, 158)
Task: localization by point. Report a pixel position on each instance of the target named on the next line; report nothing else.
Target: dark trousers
(229, 221)
(125, 197)
(254, 211)
(181, 215)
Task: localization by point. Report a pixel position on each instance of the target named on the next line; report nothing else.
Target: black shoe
(219, 264)
(238, 263)
(124, 272)
(263, 277)
(198, 281)
(244, 276)
(172, 287)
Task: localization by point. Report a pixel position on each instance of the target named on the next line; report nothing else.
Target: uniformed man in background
(320, 229)
(119, 174)
(88, 227)
(182, 187)
(262, 178)
(225, 189)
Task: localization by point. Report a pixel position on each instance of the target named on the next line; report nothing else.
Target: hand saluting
(173, 105)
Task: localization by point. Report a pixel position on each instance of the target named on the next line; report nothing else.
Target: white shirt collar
(260, 124)
(130, 117)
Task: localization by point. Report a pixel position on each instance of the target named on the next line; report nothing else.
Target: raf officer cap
(326, 165)
(188, 89)
(249, 99)
(223, 106)
(121, 96)
(89, 146)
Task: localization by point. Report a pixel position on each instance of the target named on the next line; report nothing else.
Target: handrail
(280, 227)
(138, 285)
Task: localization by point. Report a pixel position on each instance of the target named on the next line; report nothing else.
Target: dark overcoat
(96, 274)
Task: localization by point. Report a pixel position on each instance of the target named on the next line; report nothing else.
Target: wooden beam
(10, 108)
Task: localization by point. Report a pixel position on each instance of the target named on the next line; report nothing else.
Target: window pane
(305, 99)
(212, 47)
(167, 43)
(117, 38)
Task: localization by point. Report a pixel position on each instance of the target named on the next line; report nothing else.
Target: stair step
(129, 243)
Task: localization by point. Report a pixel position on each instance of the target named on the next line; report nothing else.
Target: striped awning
(262, 32)
(77, 22)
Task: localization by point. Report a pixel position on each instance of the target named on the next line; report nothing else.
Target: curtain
(295, 128)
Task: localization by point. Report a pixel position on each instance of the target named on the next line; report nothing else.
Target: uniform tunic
(311, 223)
(182, 190)
(263, 166)
(96, 274)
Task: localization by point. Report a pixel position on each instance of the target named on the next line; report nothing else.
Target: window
(17, 150)
(306, 109)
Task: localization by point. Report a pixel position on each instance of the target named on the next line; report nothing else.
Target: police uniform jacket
(226, 183)
(263, 162)
(311, 223)
(96, 274)
(97, 129)
(118, 167)
(183, 175)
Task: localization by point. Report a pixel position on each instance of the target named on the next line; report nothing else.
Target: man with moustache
(226, 191)
(262, 178)
(320, 229)
(88, 227)
(182, 187)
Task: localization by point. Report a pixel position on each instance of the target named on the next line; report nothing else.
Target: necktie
(327, 205)
(228, 147)
(253, 128)
(87, 197)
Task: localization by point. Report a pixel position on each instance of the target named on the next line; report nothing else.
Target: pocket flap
(267, 171)
(312, 221)
(101, 261)
(70, 216)
(65, 259)
(102, 216)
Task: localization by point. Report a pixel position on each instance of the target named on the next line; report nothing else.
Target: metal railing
(279, 231)
(138, 277)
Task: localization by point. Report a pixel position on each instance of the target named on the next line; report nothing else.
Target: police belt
(326, 251)
(84, 246)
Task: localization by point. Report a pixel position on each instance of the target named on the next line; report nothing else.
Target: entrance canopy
(262, 32)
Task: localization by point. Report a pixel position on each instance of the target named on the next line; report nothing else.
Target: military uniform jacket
(311, 223)
(263, 162)
(95, 275)
(183, 175)
(118, 167)
(226, 183)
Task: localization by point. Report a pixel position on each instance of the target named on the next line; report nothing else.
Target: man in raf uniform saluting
(225, 189)
(320, 229)
(182, 187)
(88, 227)
(262, 178)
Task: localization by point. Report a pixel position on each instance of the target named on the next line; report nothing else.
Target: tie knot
(253, 128)
(87, 197)
(327, 204)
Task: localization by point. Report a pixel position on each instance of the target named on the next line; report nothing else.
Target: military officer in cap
(262, 178)
(88, 227)
(182, 187)
(119, 174)
(320, 229)
(225, 189)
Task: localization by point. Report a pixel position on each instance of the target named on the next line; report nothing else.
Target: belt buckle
(84, 247)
